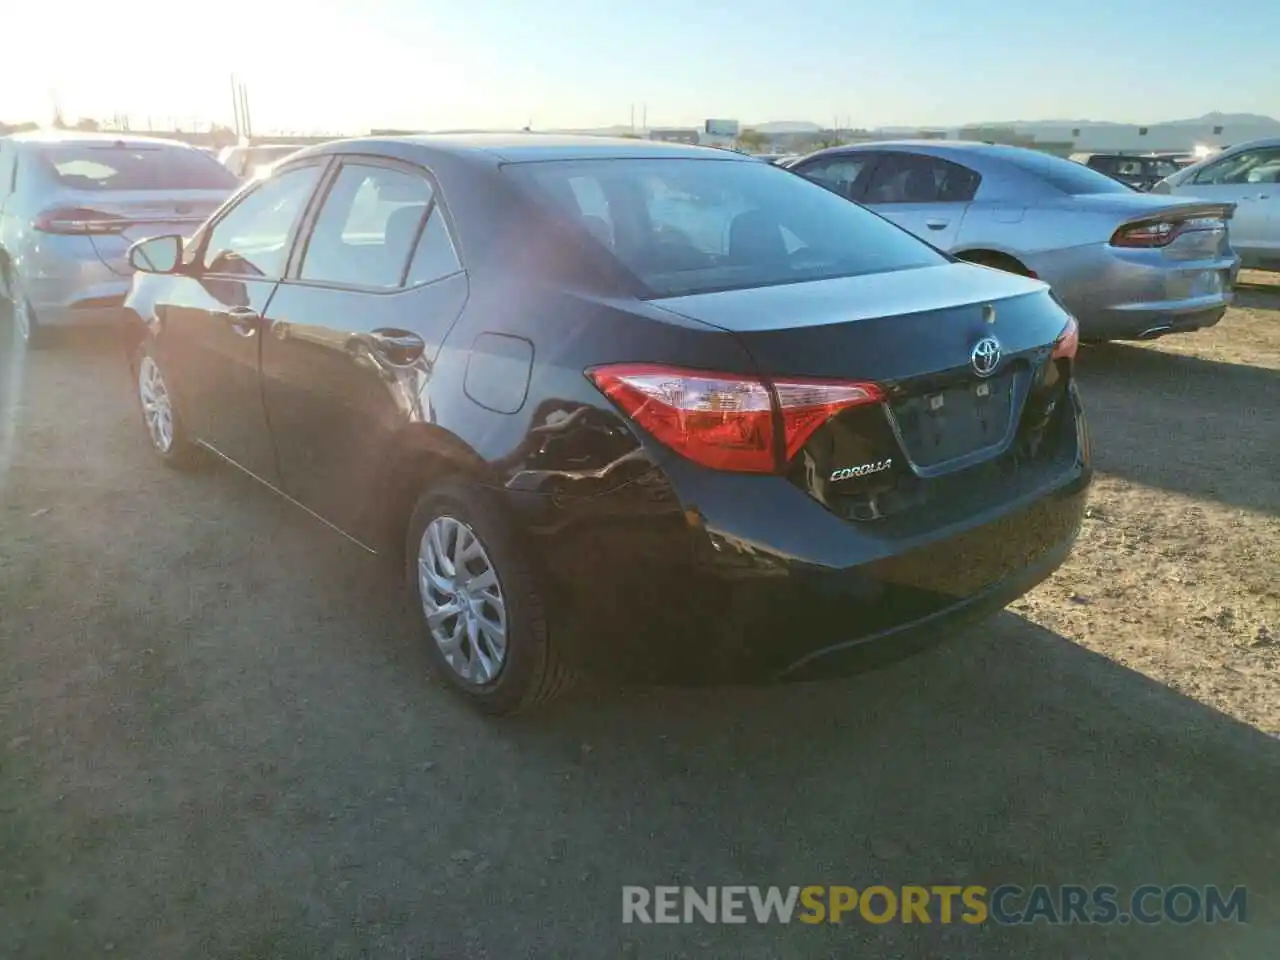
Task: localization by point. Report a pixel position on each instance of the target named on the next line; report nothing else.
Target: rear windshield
(107, 166)
(686, 225)
(1068, 176)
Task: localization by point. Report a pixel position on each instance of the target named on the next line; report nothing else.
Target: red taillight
(1151, 233)
(1068, 341)
(727, 421)
(78, 220)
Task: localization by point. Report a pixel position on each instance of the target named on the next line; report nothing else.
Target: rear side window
(373, 220)
(684, 226)
(1064, 175)
(108, 166)
(913, 178)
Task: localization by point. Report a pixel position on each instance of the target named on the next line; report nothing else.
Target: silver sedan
(72, 203)
(1129, 265)
(1247, 174)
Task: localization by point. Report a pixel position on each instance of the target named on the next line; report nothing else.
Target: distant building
(689, 135)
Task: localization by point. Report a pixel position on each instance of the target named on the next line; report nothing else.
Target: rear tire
(168, 436)
(32, 335)
(468, 573)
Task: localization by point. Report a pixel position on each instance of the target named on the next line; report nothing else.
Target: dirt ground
(218, 737)
(1177, 571)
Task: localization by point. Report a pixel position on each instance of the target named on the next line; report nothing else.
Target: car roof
(1254, 144)
(494, 148)
(51, 137)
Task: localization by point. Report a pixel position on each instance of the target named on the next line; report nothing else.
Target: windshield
(1072, 178)
(694, 226)
(109, 166)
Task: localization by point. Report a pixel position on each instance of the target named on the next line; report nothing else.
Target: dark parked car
(621, 402)
(1139, 172)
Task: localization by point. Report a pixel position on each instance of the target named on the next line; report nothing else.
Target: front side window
(911, 178)
(370, 224)
(839, 174)
(1247, 166)
(685, 226)
(252, 239)
(106, 166)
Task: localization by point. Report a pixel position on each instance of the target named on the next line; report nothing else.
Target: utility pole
(58, 119)
(644, 116)
(244, 112)
(235, 105)
(633, 118)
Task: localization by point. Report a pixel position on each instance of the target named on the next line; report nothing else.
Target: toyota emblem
(985, 356)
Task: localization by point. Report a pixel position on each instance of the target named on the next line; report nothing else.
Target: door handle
(243, 320)
(400, 348)
(936, 224)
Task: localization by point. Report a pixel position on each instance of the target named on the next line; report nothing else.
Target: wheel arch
(994, 257)
(6, 264)
(419, 452)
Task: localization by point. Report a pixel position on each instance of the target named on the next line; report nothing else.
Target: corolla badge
(861, 470)
(985, 356)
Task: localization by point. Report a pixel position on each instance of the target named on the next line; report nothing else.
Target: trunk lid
(146, 213)
(1202, 225)
(949, 407)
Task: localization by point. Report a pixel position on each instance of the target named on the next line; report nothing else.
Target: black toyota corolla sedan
(620, 402)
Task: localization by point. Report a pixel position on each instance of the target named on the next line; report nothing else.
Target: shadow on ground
(1198, 427)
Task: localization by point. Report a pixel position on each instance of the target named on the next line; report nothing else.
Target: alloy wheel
(462, 600)
(157, 409)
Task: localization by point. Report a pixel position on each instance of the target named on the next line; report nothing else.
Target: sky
(344, 67)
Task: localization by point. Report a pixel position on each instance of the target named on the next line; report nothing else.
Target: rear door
(211, 331)
(926, 195)
(352, 331)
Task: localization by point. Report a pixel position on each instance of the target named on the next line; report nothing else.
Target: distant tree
(88, 124)
(752, 141)
(221, 136)
(632, 136)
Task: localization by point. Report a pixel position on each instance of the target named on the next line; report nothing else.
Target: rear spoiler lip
(1224, 210)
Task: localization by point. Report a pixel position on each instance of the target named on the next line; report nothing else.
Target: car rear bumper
(693, 573)
(67, 283)
(1120, 294)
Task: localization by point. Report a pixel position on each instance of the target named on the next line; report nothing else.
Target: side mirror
(157, 255)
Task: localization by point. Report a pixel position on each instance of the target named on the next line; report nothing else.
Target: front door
(1249, 180)
(210, 339)
(352, 332)
(925, 195)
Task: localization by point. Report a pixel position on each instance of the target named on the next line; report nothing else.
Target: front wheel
(481, 606)
(164, 427)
